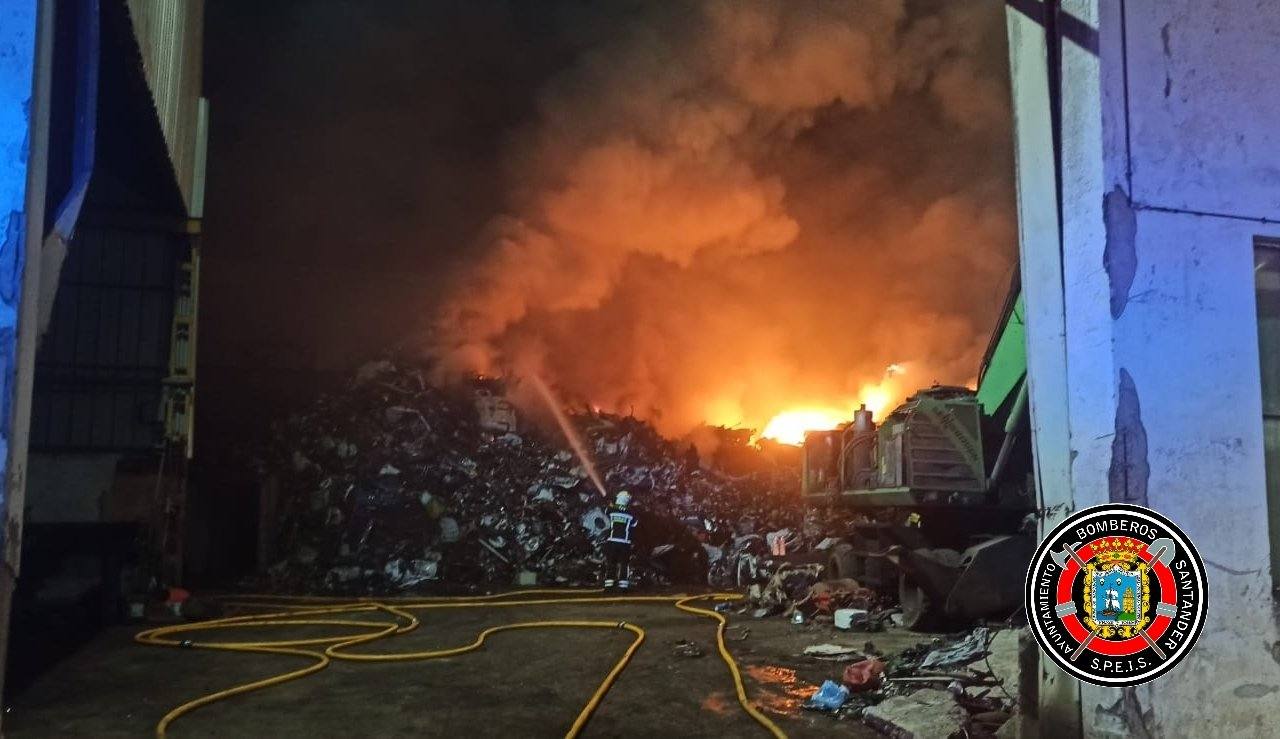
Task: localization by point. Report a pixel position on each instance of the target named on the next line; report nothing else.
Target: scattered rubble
(848, 618)
(834, 652)
(830, 697)
(831, 596)
(966, 650)
(864, 675)
(788, 584)
(395, 485)
(962, 685)
(928, 713)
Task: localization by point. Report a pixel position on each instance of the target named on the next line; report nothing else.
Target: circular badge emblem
(1116, 595)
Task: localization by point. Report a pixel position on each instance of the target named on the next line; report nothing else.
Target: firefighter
(617, 548)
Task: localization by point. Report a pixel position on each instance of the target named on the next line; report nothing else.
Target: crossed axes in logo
(1161, 551)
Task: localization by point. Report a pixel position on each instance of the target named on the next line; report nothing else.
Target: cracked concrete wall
(1190, 340)
(1204, 105)
(1130, 468)
(1170, 165)
(1119, 255)
(1200, 165)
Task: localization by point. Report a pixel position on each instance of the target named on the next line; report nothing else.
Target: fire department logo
(1116, 595)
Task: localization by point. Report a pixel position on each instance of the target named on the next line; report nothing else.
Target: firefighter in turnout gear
(617, 548)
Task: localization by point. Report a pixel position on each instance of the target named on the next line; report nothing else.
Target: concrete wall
(1204, 105)
(1041, 267)
(24, 114)
(25, 73)
(1170, 165)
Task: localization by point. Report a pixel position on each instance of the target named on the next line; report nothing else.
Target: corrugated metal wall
(170, 35)
(100, 369)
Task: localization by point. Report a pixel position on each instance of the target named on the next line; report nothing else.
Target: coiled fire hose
(328, 612)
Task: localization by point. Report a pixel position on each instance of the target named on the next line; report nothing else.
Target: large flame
(876, 398)
(789, 426)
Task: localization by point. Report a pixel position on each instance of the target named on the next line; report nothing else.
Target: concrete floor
(527, 684)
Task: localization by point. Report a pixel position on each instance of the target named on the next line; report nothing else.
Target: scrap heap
(395, 484)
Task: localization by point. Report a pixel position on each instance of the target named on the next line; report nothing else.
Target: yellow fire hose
(314, 611)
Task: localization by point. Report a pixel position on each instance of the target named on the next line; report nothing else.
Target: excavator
(933, 504)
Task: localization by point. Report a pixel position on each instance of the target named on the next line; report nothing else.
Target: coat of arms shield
(1117, 594)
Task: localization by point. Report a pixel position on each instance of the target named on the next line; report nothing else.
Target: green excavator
(933, 503)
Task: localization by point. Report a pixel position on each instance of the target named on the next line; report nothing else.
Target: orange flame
(789, 425)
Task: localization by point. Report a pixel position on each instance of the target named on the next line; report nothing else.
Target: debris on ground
(788, 585)
(928, 713)
(830, 697)
(966, 650)
(962, 683)
(848, 618)
(394, 484)
(176, 600)
(906, 661)
(988, 723)
(864, 675)
(834, 652)
(828, 597)
(1003, 660)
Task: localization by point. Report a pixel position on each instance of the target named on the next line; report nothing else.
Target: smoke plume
(727, 208)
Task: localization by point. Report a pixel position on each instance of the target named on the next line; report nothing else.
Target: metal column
(26, 30)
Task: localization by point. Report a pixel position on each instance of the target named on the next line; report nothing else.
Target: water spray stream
(570, 433)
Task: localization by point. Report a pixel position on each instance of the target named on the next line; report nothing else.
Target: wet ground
(525, 684)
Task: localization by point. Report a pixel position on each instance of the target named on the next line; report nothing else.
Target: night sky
(354, 153)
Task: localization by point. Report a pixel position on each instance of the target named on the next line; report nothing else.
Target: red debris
(864, 675)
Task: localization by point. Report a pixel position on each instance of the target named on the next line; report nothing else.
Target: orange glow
(725, 412)
(788, 427)
(876, 398)
(881, 397)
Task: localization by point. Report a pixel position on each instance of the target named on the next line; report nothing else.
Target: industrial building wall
(170, 37)
(100, 366)
(1165, 160)
(1052, 697)
(64, 488)
(25, 73)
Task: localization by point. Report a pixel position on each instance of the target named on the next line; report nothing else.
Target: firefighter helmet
(623, 499)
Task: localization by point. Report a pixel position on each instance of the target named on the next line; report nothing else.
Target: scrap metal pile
(394, 484)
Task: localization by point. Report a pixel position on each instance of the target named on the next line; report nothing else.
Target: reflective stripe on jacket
(620, 525)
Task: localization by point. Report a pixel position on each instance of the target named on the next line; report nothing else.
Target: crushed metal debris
(395, 485)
